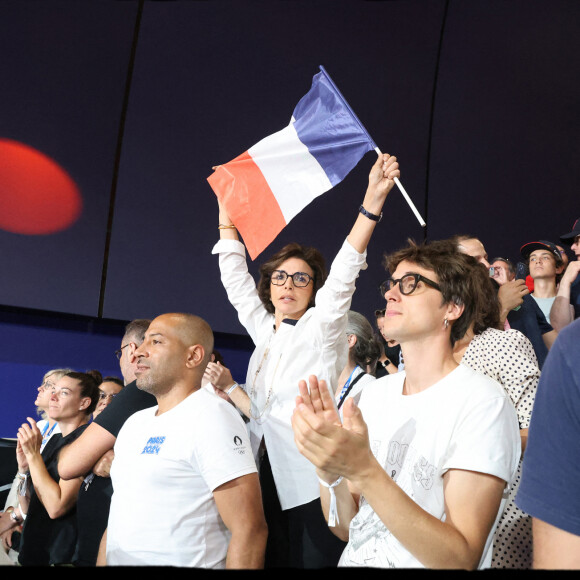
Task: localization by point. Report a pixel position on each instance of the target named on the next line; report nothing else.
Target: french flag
(265, 187)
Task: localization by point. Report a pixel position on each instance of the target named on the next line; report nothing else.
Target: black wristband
(371, 216)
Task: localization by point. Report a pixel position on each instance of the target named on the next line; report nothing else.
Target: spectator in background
(545, 266)
(390, 360)
(511, 294)
(47, 427)
(363, 352)
(566, 306)
(551, 471)
(508, 357)
(517, 308)
(503, 271)
(109, 389)
(92, 452)
(48, 505)
(563, 253)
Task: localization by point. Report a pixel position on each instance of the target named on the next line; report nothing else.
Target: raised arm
(380, 184)
(239, 503)
(226, 227)
(562, 312)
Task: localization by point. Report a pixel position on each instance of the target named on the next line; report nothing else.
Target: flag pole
(406, 195)
(398, 183)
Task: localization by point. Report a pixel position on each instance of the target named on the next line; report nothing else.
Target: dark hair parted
(115, 380)
(89, 383)
(462, 279)
(294, 250)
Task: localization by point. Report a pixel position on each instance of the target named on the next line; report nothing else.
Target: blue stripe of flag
(328, 127)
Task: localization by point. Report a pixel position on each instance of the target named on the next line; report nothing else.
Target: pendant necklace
(270, 390)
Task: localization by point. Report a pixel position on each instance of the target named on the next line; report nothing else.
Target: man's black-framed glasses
(299, 279)
(119, 351)
(407, 284)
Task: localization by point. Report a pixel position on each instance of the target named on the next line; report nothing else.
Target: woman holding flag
(297, 319)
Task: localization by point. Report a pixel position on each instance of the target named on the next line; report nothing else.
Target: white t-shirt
(163, 512)
(465, 421)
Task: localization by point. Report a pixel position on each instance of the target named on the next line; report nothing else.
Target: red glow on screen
(37, 196)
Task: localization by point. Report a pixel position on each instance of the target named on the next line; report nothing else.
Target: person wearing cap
(546, 266)
(566, 306)
(529, 319)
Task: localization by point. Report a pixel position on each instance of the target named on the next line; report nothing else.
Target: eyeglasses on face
(46, 385)
(299, 279)
(119, 352)
(407, 284)
(103, 396)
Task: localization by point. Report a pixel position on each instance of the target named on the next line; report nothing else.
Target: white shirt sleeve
(241, 287)
(228, 454)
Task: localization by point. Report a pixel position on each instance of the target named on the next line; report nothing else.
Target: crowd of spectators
(441, 434)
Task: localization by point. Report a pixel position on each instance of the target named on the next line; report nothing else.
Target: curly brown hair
(462, 280)
(293, 250)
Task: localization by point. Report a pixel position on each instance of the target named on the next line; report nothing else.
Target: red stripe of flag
(241, 180)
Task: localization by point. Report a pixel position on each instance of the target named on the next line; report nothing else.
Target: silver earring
(446, 323)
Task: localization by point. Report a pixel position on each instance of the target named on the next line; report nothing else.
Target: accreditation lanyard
(349, 385)
(45, 435)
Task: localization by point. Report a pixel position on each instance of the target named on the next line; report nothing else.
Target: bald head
(174, 354)
(191, 330)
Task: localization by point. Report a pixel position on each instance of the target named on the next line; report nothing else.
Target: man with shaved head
(186, 488)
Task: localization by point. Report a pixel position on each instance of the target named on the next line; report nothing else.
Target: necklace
(270, 390)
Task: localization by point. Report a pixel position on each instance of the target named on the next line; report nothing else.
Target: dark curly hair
(294, 250)
(462, 279)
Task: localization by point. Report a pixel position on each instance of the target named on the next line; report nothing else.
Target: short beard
(143, 384)
(153, 387)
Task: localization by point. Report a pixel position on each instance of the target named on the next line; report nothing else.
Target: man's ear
(131, 354)
(454, 311)
(195, 355)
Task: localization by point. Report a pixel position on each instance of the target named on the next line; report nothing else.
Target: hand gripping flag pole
(397, 181)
